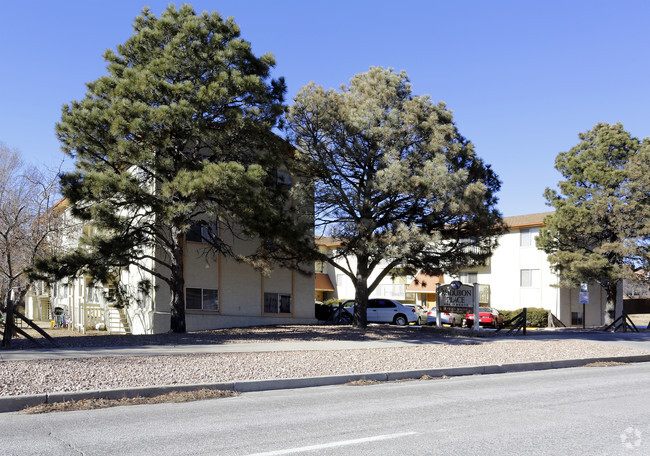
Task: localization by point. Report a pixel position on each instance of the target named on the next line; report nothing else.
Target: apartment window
(202, 233)
(527, 237)
(469, 278)
(320, 267)
(530, 278)
(277, 303)
(92, 294)
(283, 179)
(576, 318)
(202, 299)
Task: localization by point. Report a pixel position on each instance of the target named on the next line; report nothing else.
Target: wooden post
(525, 319)
(9, 323)
(477, 315)
(438, 322)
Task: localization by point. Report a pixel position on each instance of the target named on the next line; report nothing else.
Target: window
(529, 278)
(201, 299)
(269, 245)
(283, 179)
(527, 237)
(92, 294)
(320, 267)
(469, 277)
(202, 233)
(277, 303)
(576, 318)
(194, 234)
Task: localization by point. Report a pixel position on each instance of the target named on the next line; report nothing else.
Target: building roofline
(515, 221)
(527, 220)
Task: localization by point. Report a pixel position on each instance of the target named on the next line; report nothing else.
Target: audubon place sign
(455, 297)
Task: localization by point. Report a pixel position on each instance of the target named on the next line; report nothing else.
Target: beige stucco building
(219, 293)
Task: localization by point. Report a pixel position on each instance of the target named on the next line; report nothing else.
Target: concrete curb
(16, 403)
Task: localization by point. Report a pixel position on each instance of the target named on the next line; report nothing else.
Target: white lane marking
(335, 444)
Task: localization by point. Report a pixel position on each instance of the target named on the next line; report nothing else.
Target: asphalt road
(579, 411)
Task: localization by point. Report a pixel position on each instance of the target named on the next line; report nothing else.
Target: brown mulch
(91, 404)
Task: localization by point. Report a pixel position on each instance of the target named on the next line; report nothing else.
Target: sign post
(455, 298)
(477, 315)
(438, 323)
(584, 300)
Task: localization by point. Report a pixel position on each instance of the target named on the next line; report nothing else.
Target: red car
(487, 316)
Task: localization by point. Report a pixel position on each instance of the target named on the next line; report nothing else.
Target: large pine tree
(178, 132)
(599, 231)
(394, 180)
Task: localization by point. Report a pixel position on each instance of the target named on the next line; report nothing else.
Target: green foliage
(599, 231)
(178, 132)
(395, 182)
(536, 317)
(323, 311)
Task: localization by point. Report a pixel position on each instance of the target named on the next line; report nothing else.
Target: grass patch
(99, 403)
(605, 364)
(362, 382)
(428, 377)
(365, 381)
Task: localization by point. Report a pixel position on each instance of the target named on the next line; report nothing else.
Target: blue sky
(523, 78)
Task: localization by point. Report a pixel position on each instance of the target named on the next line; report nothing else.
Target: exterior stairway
(117, 321)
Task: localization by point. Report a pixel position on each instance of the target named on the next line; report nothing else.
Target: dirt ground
(66, 338)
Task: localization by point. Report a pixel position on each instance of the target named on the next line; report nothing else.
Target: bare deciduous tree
(27, 222)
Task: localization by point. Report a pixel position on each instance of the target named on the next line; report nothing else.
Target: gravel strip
(34, 377)
(69, 339)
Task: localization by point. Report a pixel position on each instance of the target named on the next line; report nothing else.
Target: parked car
(487, 316)
(421, 312)
(386, 311)
(450, 318)
(431, 317)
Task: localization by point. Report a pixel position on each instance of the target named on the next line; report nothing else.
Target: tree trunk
(361, 294)
(361, 306)
(610, 306)
(9, 321)
(177, 287)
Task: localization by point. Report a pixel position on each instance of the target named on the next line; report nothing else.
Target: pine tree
(601, 211)
(179, 132)
(395, 182)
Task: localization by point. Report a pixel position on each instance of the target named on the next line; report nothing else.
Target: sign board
(584, 294)
(456, 298)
